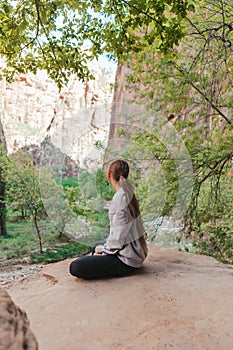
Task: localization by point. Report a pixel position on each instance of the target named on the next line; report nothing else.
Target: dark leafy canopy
(51, 35)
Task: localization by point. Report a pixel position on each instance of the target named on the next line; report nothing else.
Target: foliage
(88, 201)
(69, 182)
(60, 252)
(214, 232)
(60, 36)
(64, 202)
(22, 243)
(23, 189)
(104, 189)
(196, 79)
(56, 204)
(63, 196)
(192, 88)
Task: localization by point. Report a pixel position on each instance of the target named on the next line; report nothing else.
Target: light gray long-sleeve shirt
(125, 233)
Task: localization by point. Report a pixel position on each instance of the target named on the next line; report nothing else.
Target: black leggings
(99, 266)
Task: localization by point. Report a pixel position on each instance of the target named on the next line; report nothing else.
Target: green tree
(58, 203)
(192, 87)
(23, 189)
(104, 189)
(60, 36)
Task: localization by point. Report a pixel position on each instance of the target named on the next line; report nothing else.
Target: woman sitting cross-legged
(125, 249)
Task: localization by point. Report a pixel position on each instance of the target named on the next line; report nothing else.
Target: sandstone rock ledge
(15, 333)
(178, 301)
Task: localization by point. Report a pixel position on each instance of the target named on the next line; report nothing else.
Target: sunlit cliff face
(32, 109)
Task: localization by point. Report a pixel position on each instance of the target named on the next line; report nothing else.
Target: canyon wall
(75, 120)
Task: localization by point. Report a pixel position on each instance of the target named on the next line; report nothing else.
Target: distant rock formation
(46, 154)
(128, 114)
(15, 332)
(122, 95)
(74, 119)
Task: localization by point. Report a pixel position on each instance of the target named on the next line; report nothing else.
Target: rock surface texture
(15, 333)
(177, 301)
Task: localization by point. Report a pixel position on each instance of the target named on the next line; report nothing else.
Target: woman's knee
(74, 268)
(80, 267)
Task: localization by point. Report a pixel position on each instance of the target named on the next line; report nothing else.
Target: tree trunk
(3, 231)
(34, 214)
